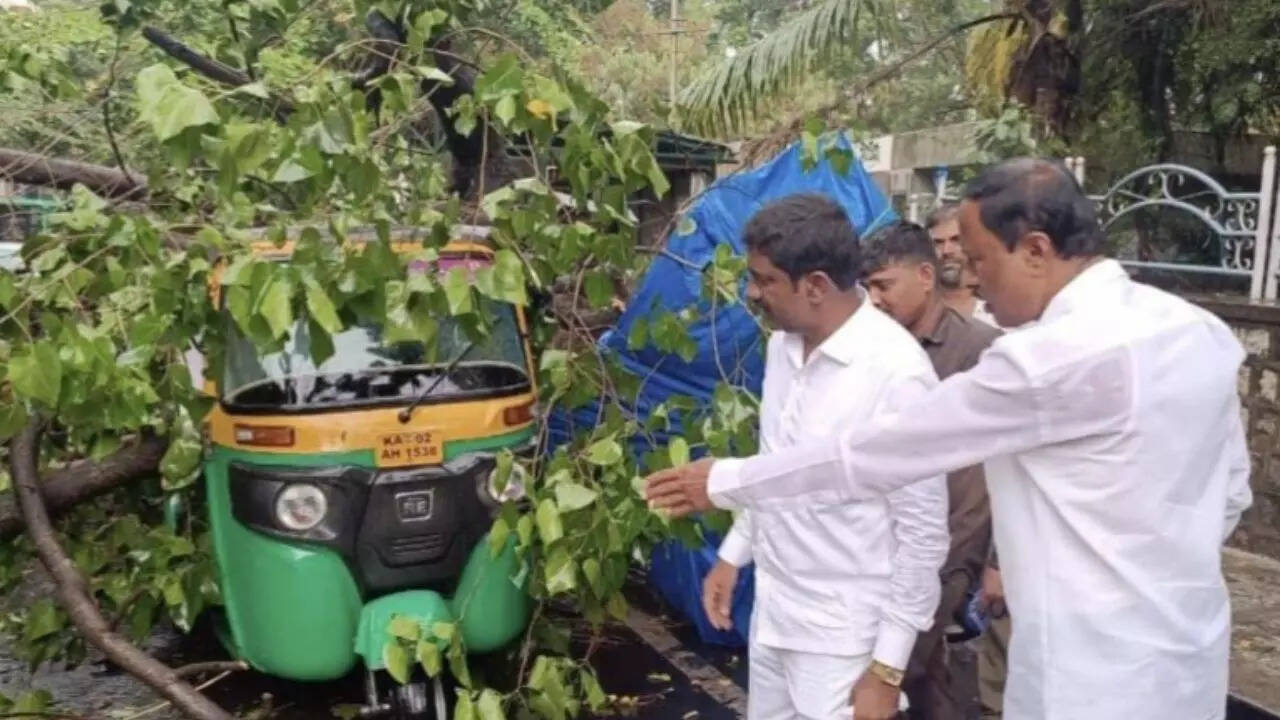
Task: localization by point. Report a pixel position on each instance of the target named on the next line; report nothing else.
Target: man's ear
(816, 286)
(928, 274)
(1036, 249)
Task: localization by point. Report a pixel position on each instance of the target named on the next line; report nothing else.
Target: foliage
(93, 334)
(727, 94)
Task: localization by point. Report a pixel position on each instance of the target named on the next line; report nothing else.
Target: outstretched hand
(681, 490)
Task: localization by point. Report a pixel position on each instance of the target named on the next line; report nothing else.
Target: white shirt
(982, 314)
(859, 577)
(1117, 467)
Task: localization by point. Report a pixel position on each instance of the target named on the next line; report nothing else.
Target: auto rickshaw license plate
(417, 447)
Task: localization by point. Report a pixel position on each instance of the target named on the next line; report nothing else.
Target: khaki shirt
(953, 345)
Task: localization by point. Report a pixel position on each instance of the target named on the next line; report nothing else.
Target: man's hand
(991, 597)
(874, 699)
(717, 594)
(680, 490)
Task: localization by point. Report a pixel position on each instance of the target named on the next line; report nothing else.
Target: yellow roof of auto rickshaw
(472, 239)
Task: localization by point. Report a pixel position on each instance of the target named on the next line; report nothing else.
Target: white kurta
(1117, 466)
(855, 578)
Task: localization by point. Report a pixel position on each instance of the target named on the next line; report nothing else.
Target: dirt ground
(1255, 659)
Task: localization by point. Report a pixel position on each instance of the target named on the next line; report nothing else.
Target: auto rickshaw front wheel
(423, 698)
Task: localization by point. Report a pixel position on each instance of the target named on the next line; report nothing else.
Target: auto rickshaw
(345, 495)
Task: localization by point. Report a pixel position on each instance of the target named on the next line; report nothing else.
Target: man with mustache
(900, 270)
(954, 276)
(1113, 427)
(842, 589)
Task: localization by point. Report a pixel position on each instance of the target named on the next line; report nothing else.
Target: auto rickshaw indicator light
(265, 435)
(518, 414)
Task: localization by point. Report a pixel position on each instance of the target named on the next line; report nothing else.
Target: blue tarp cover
(675, 283)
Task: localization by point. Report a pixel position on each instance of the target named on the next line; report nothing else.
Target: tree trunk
(85, 480)
(34, 169)
(1046, 73)
(74, 595)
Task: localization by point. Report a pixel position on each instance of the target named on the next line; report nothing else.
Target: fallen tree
(74, 595)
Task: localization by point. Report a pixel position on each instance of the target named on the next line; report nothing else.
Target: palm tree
(1030, 48)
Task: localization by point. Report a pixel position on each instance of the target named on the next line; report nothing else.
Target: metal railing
(1239, 231)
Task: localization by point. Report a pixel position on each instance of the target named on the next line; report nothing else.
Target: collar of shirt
(841, 346)
(1084, 288)
(936, 324)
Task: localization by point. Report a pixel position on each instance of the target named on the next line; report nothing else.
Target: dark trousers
(928, 682)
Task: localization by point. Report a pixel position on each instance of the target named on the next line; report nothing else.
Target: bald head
(1026, 195)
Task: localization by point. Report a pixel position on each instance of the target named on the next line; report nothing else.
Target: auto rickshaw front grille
(418, 548)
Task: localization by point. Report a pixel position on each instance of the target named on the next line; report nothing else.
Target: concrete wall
(1258, 328)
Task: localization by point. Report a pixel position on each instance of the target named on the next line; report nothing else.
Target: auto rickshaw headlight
(510, 490)
(301, 506)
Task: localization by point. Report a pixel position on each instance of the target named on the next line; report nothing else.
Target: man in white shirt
(1113, 426)
(839, 586)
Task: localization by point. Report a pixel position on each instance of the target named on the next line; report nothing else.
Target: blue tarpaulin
(674, 283)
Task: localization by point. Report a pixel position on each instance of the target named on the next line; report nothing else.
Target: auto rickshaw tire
(436, 694)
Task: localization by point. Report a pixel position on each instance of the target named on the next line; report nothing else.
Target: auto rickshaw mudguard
(490, 606)
(291, 608)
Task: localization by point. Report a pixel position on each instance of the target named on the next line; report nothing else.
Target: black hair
(1032, 194)
(900, 242)
(941, 214)
(805, 233)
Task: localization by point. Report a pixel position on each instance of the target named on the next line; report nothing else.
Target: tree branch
(85, 480)
(209, 67)
(34, 169)
(74, 596)
(216, 666)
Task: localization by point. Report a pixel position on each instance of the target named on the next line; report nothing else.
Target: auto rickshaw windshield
(365, 370)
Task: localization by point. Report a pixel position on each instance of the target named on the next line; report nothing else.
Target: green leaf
(503, 78)
(181, 460)
(505, 109)
(396, 659)
(13, 417)
(169, 106)
(508, 278)
(617, 606)
(254, 89)
(457, 290)
(444, 630)
(498, 536)
(490, 705)
(430, 658)
(42, 620)
(678, 449)
(277, 306)
(604, 452)
(549, 527)
(591, 571)
(8, 289)
(561, 572)
(465, 709)
(37, 702)
(596, 699)
(322, 309)
(599, 288)
(38, 374)
(571, 496)
(524, 529)
(404, 627)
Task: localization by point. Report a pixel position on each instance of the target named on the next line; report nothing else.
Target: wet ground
(652, 658)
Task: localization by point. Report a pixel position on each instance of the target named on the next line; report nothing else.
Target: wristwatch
(890, 675)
